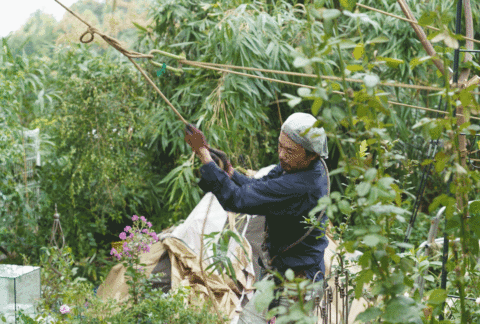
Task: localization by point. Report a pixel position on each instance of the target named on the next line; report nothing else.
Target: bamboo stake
(412, 21)
(421, 35)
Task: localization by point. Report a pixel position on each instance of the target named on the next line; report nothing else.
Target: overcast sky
(15, 13)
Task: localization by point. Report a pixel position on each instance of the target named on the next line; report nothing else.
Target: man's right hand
(227, 166)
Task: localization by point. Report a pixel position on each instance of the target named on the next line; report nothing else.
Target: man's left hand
(198, 142)
(195, 138)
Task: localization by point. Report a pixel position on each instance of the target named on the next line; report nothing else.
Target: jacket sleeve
(241, 179)
(277, 196)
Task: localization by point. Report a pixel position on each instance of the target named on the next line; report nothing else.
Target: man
(284, 196)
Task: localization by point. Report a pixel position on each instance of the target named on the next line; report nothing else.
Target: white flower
(478, 301)
(64, 309)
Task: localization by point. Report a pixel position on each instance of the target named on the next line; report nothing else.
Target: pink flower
(118, 257)
(126, 248)
(113, 251)
(145, 231)
(64, 309)
(143, 219)
(149, 224)
(131, 235)
(123, 236)
(128, 228)
(134, 218)
(147, 248)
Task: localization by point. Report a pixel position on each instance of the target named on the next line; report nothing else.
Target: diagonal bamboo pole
(421, 35)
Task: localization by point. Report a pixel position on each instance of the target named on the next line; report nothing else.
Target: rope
(325, 77)
(409, 20)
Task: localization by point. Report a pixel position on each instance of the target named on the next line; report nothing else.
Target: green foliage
(113, 148)
(59, 288)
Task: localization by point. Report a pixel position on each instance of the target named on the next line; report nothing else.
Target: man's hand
(195, 138)
(227, 166)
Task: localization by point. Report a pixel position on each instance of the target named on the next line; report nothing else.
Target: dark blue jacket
(283, 198)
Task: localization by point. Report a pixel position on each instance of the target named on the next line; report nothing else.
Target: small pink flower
(123, 236)
(127, 228)
(134, 218)
(113, 251)
(64, 309)
(126, 248)
(145, 231)
(147, 248)
(118, 257)
(131, 235)
(149, 224)
(143, 219)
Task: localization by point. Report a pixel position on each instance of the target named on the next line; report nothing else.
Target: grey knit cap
(314, 141)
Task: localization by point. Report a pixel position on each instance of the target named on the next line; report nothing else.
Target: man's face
(293, 156)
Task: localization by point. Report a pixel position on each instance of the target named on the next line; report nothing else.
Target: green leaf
(474, 224)
(304, 92)
(427, 18)
(289, 275)
(355, 68)
(329, 14)
(292, 103)
(417, 61)
(391, 62)
(358, 51)
(139, 27)
(317, 104)
(387, 209)
(369, 315)
(344, 207)
(371, 240)
(401, 309)
(378, 40)
(265, 294)
(370, 174)
(363, 188)
(371, 80)
(437, 297)
(363, 277)
(348, 4)
(301, 62)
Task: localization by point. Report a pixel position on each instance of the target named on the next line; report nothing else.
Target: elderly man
(284, 196)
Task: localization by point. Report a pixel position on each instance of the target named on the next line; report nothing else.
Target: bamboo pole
(421, 36)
